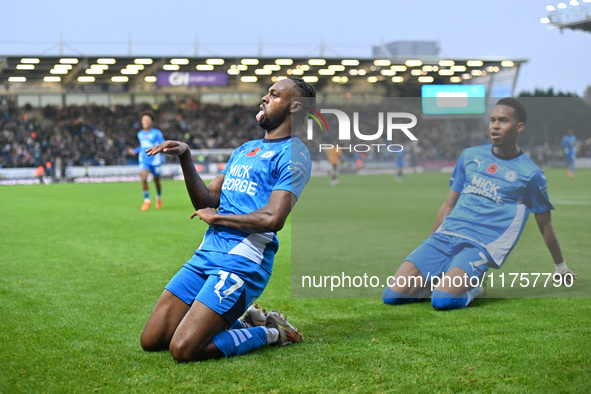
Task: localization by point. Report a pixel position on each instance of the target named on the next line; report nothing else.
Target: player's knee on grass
(392, 297)
(444, 301)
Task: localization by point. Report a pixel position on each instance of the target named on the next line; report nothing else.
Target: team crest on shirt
(510, 175)
(267, 154)
(254, 152)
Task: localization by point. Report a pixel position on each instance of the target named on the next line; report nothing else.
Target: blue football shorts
(440, 252)
(215, 280)
(155, 170)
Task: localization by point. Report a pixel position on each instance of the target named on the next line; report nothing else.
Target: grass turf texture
(82, 267)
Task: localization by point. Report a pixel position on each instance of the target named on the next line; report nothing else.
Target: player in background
(400, 165)
(334, 157)
(569, 143)
(197, 315)
(148, 137)
(493, 190)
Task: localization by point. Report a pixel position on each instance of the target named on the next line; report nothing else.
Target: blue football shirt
(496, 197)
(255, 170)
(147, 140)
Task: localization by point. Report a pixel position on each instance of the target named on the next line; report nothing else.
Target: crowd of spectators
(102, 135)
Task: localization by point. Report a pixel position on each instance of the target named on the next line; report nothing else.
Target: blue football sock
(444, 301)
(394, 298)
(146, 195)
(236, 342)
(237, 325)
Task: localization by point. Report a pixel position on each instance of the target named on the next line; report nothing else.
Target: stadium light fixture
(63, 67)
(248, 79)
(242, 67)
(455, 79)
(388, 73)
(263, 71)
(574, 3)
(138, 67)
(562, 6)
(204, 67)
(507, 63)
(58, 71)
(474, 63)
(372, 79)
(272, 67)
(550, 7)
(336, 67)
(350, 62)
(129, 71)
(105, 60)
(413, 63)
(171, 67)
(398, 68)
(426, 79)
(180, 62)
(250, 62)
(150, 79)
(215, 62)
(382, 62)
(476, 73)
(146, 61)
(51, 79)
(25, 66)
(99, 67)
(325, 71)
(317, 62)
(233, 71)
(466, 76)
(416, 72)
(446, 63)
(30, 60)
(545, 20)
(119, 79)
(284, 62)
(17, 79)
(94, 71)
(297, 71)
(459, 69)
(310, 79)
(398, 79)
(446, 73)
(86, 79)
(68, 60)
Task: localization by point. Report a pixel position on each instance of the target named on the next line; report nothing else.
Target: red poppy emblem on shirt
(492, 168)
(253, 152)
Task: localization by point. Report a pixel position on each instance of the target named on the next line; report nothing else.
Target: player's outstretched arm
(446, 208)
(544, 220)
(269, 218)
(201, 196)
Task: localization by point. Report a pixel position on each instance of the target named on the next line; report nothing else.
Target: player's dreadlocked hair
(518, 108)
(306, 91)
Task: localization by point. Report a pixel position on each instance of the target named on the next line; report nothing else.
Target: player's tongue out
(260, 115)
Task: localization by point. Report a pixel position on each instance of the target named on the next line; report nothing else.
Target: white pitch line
(566, 202)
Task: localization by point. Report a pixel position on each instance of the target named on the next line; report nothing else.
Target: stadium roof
(575, 15)
(71, 74)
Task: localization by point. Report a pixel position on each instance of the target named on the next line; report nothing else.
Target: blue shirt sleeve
(537, 194)
(294, 168)
(458, 177)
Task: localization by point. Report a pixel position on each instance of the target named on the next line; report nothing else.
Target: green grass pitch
(81, 268)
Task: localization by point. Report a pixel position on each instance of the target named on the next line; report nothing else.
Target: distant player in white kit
(493, 190)
(197, 315)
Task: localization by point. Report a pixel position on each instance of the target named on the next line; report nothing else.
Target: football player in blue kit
(149, 137)
(493, 190)
(198, 315)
